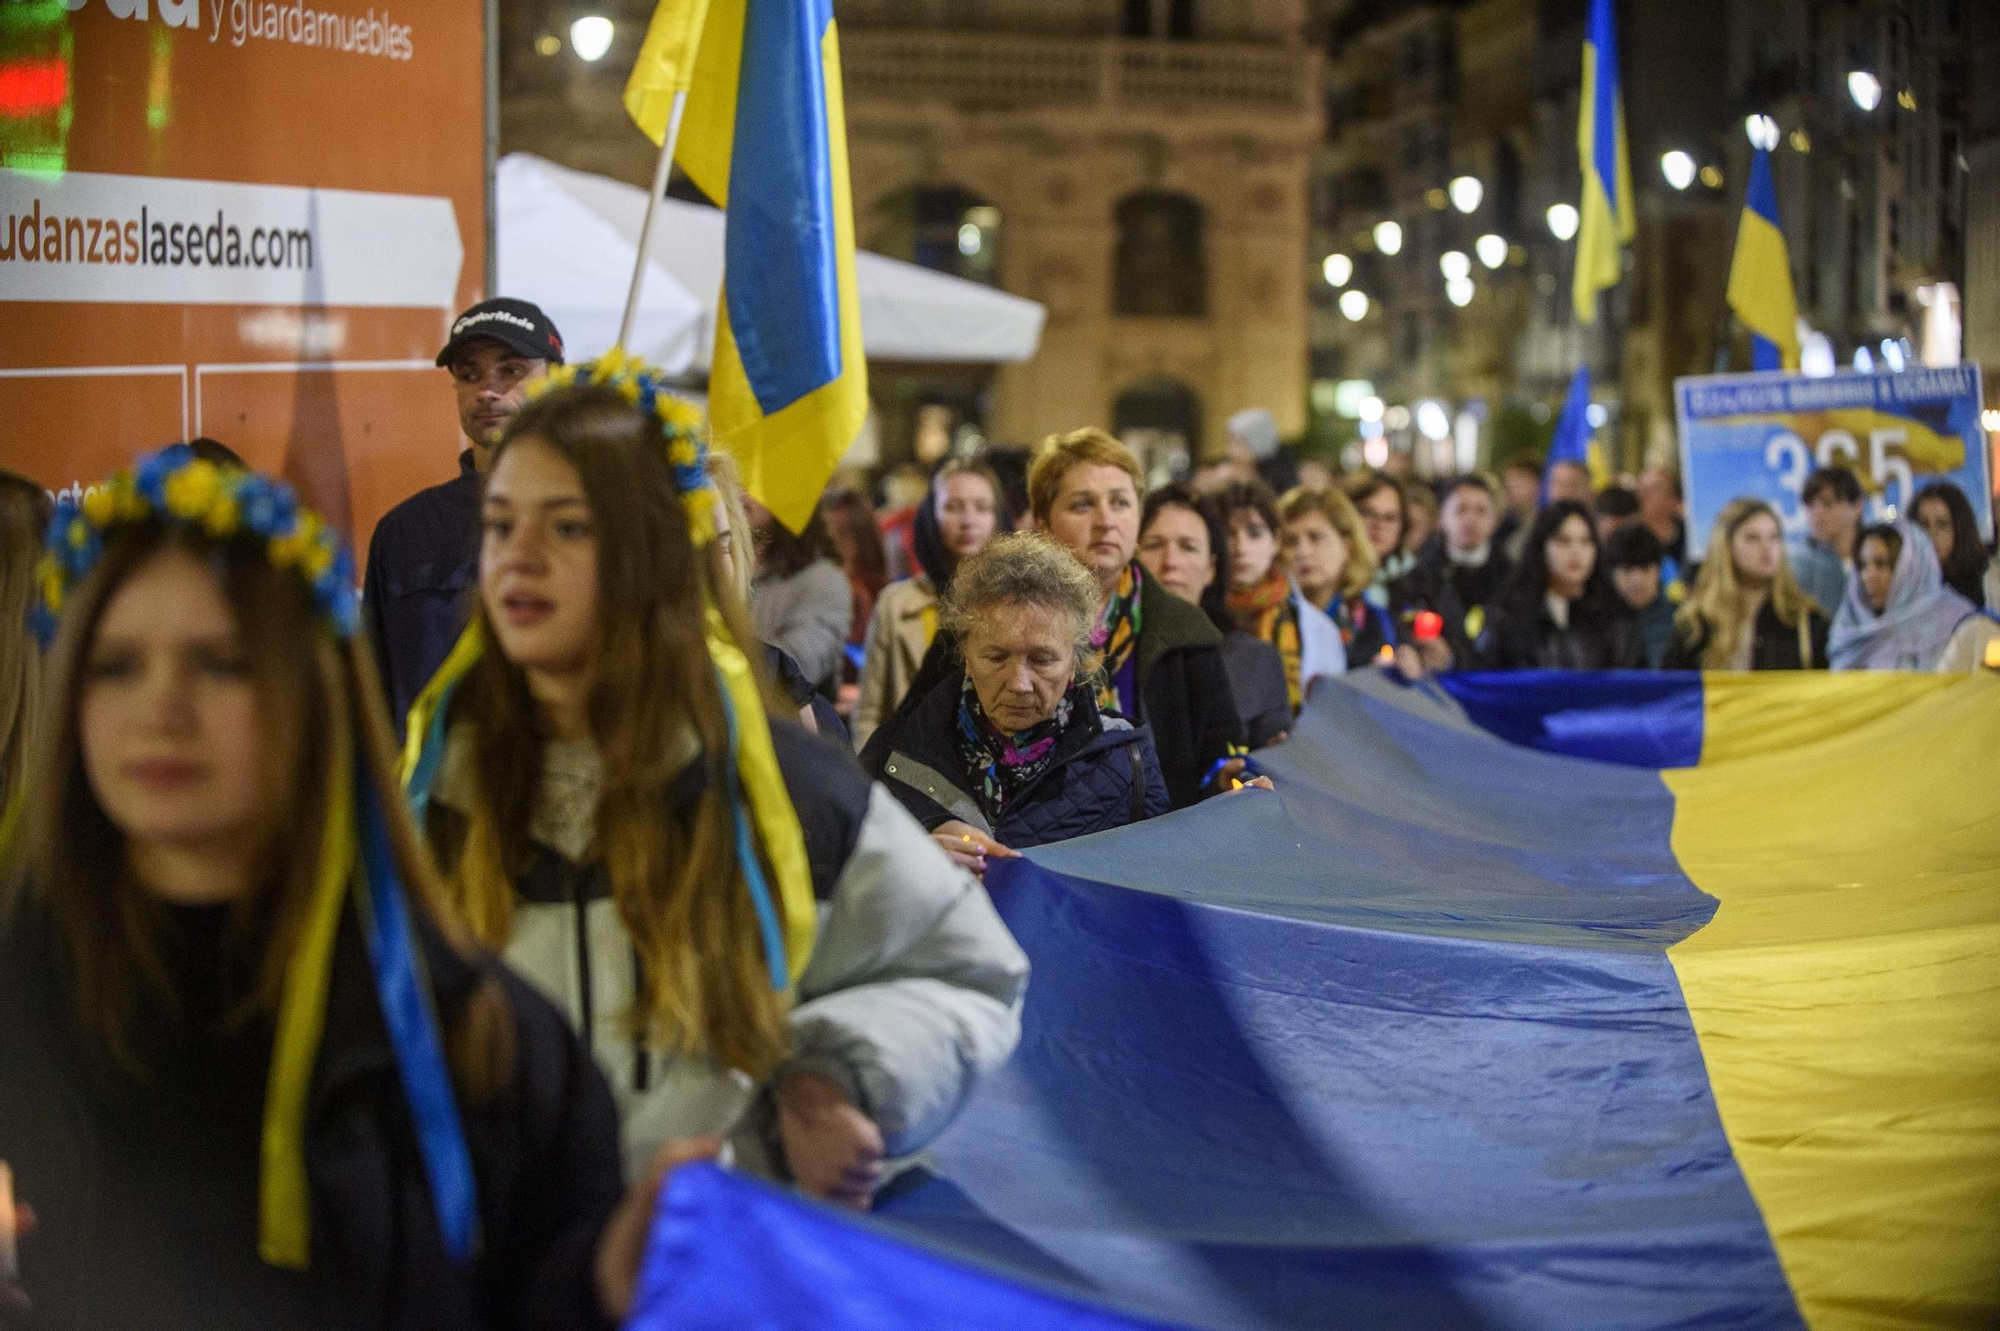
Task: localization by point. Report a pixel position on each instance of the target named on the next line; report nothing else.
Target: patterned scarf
(1116, 634)
(1265, 609)
(1003, 766)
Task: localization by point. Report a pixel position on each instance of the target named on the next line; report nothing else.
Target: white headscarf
(1258, 430)
(1916, 621)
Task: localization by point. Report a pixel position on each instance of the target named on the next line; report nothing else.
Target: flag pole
(661, 174)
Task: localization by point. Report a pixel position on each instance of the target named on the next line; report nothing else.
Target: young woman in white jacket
(760, 945)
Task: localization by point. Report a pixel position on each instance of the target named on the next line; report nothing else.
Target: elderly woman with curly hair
(1012, 751)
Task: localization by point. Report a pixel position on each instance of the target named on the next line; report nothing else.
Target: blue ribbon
(746, 855)
(413, 1031)
(430, 756)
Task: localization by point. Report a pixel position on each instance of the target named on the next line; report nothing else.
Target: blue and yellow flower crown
(682, 434)
(180, 490)
(176, 487)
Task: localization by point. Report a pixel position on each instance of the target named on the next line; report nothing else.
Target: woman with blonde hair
(757, 942)
(1333, 563)
(254, 1076)
(1746, 611)
(24, 514)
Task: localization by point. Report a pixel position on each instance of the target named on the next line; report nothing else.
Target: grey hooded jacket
(911, 995)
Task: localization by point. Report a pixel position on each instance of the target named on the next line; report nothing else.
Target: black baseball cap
(518, 325)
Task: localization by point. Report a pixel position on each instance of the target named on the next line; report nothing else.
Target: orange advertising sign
(244, 219)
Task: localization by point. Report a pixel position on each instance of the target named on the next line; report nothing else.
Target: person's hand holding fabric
(623, 1243)
(833, 1149)
(969, 847)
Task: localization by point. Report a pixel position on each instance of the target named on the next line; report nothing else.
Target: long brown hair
(1717, 598)
(857, 540)
(674, 877)
(317, 699)
(24, 514)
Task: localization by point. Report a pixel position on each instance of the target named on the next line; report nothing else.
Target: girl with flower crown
(253, 1076)
(757, 942)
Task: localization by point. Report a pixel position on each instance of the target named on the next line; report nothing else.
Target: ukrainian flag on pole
(1760, 275)
(765, 136)
(1607, 221)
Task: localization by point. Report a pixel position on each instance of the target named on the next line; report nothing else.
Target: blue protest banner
(1762, 435)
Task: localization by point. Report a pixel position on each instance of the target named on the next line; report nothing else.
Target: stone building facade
(1139, 166)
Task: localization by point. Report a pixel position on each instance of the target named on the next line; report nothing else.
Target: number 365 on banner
(1762, 435)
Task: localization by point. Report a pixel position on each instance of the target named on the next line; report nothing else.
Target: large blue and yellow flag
(1607, 217)
(1527, 1001)
(765, 136)
(1760, 275)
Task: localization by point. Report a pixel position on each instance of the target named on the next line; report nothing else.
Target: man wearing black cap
(423, 560)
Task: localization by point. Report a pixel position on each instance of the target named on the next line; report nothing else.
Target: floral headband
(680, 423)
(176, 487)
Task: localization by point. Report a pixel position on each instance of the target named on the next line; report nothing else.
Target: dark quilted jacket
(1105, 773)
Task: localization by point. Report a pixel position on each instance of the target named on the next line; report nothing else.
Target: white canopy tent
(567, 240)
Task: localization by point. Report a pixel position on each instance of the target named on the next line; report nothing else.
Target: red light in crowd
(1428, 627)
(30, 87)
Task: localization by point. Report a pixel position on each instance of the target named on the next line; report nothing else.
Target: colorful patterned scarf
(1265, 609)
(1252, 607)
(1116, 634)
(1002, 766)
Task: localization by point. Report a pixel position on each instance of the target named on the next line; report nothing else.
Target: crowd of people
(682, 857)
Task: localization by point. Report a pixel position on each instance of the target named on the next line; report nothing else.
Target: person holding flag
(1576, 465)
(757, 942)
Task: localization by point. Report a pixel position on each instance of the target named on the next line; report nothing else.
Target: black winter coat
(1257, 686)
(1776, 645)
(423, 562)
(1184, 692)
(1104, 775)
(1602, 634)
(94, 1152)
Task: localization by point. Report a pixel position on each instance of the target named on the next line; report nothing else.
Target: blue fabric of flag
(1638, 718)
(726, 1253)
(780, 263)
(1572, 437)
(1398, 1045)
(1604, 114)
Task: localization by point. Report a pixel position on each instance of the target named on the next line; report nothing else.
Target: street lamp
(1865, 89)
(590, 37)
(1432, 421)
(1491, 249)
(1678, 168)
(1454, 265)
(1354, 305)
(1563, 221)
(1338, 269)
(1762, 131)
(1466, 192)
(1459, 291)
(1388, 237)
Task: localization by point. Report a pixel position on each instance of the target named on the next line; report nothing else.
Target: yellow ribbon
(770, 803)
(283, 1203)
